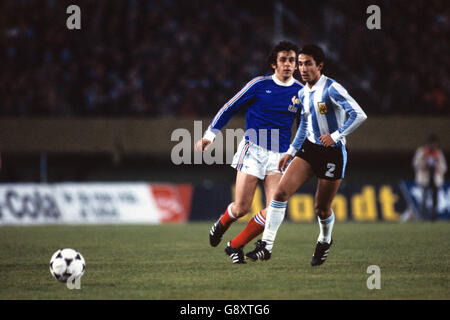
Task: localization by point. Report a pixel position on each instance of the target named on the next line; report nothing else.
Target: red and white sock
(254, 228)
(227, 218)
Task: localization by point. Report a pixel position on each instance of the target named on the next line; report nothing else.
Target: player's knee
(281, 195)
(240, 210)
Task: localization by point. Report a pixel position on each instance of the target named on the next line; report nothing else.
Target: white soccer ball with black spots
(66, 263)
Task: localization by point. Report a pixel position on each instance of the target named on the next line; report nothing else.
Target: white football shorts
(255, 160)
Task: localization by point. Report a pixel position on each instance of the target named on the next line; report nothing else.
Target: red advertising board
(173, 201)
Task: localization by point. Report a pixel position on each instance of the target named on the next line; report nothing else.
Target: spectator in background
(430, 167)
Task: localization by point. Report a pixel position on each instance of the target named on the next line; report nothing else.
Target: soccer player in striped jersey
(272, 104)
(318, 149)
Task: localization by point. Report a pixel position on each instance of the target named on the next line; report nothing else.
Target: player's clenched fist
(284, 162)
(202, 144)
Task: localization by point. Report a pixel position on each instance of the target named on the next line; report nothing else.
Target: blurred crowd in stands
(187, 58)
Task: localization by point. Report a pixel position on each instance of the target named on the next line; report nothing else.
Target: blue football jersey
(271, 109)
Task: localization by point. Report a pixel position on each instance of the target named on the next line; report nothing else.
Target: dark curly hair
(281, 46)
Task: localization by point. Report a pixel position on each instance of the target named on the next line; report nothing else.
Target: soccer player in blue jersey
(318, 149)
(272, 104)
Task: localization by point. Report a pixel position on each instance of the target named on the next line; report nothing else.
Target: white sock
(326, 227)
(274, 218)
(229, 211)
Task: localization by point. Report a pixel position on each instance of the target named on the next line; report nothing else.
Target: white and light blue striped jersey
(325, 107)
(271, 109)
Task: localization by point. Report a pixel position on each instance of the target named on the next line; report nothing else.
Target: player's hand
(282, 164)
(327, 140)
(202, 144)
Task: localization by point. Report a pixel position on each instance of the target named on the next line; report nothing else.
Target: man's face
(285, 64)
(309, 70)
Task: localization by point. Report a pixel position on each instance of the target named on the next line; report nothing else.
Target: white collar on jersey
(319, 83)
(289, 83)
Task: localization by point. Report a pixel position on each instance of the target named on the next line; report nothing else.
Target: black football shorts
(327, 163)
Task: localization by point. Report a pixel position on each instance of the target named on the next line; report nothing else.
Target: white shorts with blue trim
(255, 160)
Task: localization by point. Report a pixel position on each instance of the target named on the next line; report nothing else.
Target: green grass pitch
(175, 261)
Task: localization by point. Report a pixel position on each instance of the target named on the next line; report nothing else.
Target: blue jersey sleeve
(341, 98)
(300, 135)
(232, 107)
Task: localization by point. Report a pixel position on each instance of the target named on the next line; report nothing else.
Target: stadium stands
(185, 58)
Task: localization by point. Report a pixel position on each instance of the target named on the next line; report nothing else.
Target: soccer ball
(66, 263)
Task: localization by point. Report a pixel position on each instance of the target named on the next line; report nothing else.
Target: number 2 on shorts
(331, 167)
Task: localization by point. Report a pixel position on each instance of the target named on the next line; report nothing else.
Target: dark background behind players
(160, 60)
(146, 58)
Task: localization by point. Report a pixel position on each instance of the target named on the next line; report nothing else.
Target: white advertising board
(77, 203)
